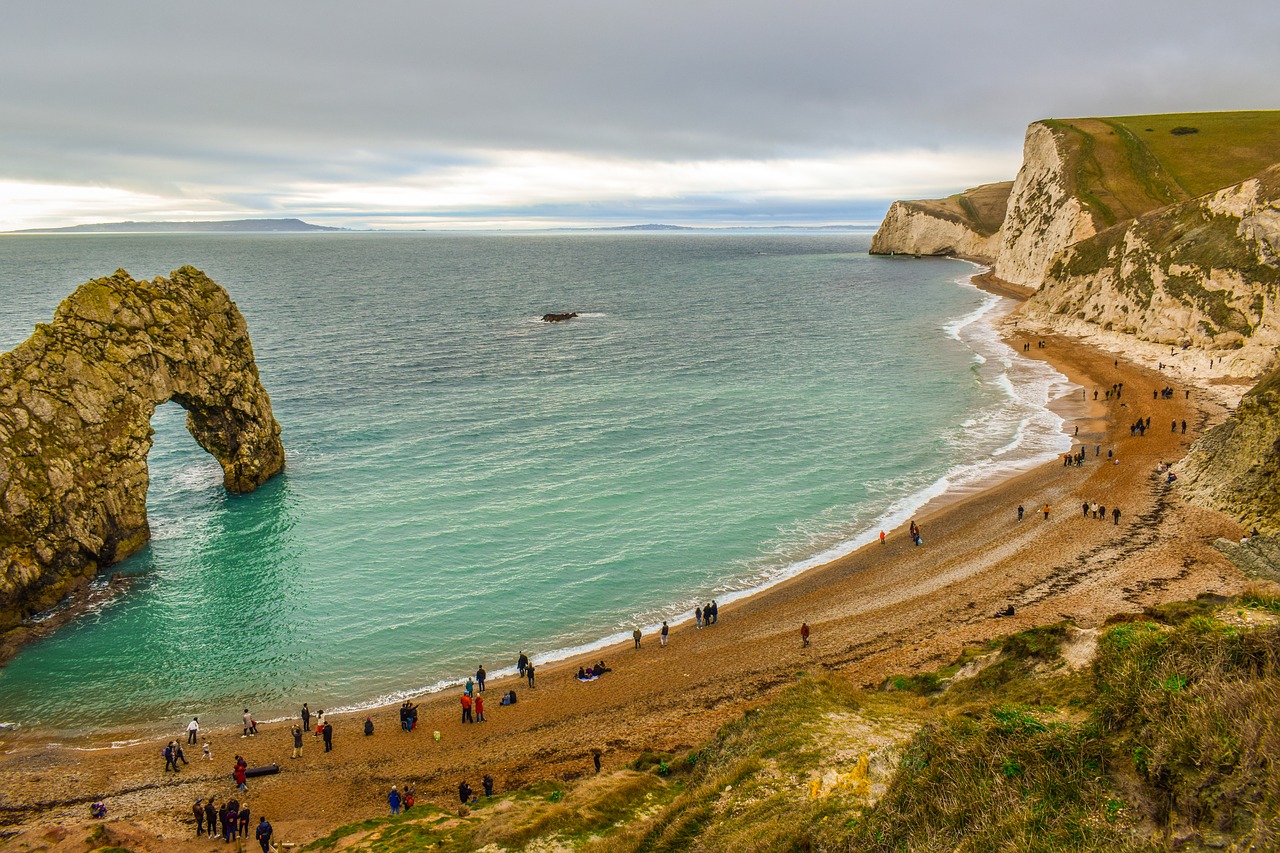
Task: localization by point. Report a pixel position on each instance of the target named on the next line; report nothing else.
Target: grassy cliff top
(981, 208)
(1125, 166)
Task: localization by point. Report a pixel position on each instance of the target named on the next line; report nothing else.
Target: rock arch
(76, 400)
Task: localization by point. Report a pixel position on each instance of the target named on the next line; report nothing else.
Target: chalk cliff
(1203, 273)
(76, 401)
(964, 225)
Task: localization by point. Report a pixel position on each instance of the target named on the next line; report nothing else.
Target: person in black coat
(464, 792)
(328, 737)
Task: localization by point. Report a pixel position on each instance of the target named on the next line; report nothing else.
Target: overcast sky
(550, 112)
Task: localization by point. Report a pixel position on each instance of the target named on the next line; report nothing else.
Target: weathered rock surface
(1235, 467)
(1044, 215)
(964, 225)
(1204, 273)
(76, 401)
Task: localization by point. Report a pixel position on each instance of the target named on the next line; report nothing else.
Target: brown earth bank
(884, 609)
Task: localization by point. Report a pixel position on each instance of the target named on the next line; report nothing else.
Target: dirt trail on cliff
(885, 609)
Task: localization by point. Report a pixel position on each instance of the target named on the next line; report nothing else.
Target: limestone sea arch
(76, 400)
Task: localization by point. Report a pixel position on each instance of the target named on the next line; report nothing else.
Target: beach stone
(75, 421)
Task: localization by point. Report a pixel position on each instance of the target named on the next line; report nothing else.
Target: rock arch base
(76, 400)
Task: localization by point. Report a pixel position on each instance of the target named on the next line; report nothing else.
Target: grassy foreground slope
(1165, 741)
(1125, 166)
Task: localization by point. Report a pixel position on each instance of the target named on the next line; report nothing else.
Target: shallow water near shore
(465, 481)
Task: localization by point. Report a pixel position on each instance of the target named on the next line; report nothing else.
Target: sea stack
(76, 400)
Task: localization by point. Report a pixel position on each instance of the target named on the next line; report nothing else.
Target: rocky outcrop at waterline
(76, 400)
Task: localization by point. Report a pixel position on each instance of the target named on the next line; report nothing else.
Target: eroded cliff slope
(76, 401)
(1235, 467)
(1204, 273)
(964, 225)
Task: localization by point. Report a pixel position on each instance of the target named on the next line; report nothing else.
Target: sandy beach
(882, 610)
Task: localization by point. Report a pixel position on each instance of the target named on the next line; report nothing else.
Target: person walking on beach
(478, 702)
(1046, 512)
(239, 775)
(198, 811)
(1021, 510)
(244, 819)
(697, 616)
(470, 686)
(522, 664)
(368, 726)
(169, 759)
(328, 736)
(250, 725)
(1115, 516)
(466, 708)
(306, 718)
(715, 612)
(193, 729)
(296, 731)
(804, 635)
(264, 835)
(635, 635)
(481, 675)
(882, 537)
(178, 755)
(394, 799)
(319, 723)
(528, 673)
(207, 755)
(662, 635)
(211, 818)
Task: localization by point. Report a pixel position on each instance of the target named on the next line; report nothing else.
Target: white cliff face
(1044, 216)
(1197, 283)
(911, 229)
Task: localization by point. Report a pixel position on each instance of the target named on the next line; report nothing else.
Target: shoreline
(951, 487)
(876, 611)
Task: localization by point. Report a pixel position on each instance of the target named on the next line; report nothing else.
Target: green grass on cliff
(1128, 165)
(1167, 741)
(980, 208)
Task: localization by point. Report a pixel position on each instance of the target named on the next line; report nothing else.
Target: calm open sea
(465, 481)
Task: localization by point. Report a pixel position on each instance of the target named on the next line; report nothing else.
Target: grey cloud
(153, 94)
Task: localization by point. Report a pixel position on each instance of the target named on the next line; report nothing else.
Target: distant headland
(226, 226)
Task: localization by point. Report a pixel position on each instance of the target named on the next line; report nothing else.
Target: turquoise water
(465, 481)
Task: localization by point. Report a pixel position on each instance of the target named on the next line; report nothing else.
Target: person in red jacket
(239, 774)
(479, 705)
(466, 708)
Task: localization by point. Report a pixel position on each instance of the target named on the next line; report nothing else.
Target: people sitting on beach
(1000, 614)
(508, 698)
(98, 810)
(601, 669)
(583, 675)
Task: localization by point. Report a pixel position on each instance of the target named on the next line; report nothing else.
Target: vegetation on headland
(1124, 166)
(1164, 741)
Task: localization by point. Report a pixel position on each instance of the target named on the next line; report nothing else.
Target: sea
(465, 482)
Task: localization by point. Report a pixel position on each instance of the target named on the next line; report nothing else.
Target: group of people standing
(705, 616)
(231, 821)
(401, 799)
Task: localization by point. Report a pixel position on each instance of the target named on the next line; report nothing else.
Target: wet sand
(881, 610)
